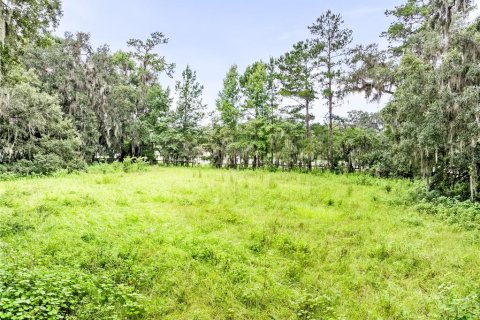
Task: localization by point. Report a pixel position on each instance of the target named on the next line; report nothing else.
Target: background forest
(64, 104)
(257, 209)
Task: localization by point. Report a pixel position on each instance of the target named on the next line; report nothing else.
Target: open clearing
(190, 243)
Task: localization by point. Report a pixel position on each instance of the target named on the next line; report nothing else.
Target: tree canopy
(64, 104)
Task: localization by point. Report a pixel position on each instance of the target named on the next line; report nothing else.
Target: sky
(211, 35)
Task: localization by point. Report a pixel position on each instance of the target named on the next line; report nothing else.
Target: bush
(41, 165)
(134, 164)
(45, 294)
(311, 307)
(454, 211)
(26, 294)
(47, 164)
(127, 164)
(453, 307)
(76, 165)
(6, 174)
(142, 164)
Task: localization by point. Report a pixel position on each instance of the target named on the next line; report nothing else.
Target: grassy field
(190, 243)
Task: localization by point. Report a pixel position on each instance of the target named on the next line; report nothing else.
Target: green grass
(179, 243)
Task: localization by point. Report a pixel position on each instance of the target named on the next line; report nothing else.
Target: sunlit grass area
(192, 243)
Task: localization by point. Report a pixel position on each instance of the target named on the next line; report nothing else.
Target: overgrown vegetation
(64, 103)
(183, 243)
(454, 211)
(84, 239)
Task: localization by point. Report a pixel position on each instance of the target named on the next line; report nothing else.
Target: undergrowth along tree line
(65, 104)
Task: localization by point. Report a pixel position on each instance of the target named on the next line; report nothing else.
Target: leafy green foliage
(45, 294)
(113, 106)
(315, 307)
(180, 132)
(463, 213)
(453, 307)
(331, 41)
(22, 22)
(40, 140)
(38, 295)
(164, 244)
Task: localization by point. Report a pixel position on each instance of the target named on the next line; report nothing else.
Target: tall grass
(193, 243)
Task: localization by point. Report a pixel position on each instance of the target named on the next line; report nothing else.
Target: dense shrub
(311, 307)
(26, 294)
(46, 294)
(41, 165)
(452, 210)
(454, 307)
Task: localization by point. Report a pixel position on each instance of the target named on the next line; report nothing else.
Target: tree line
(65, 104)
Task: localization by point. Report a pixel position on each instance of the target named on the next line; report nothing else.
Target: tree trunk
(309, 134)
(330, 113)
(255, 157)
(330, 131)
(473, 174)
